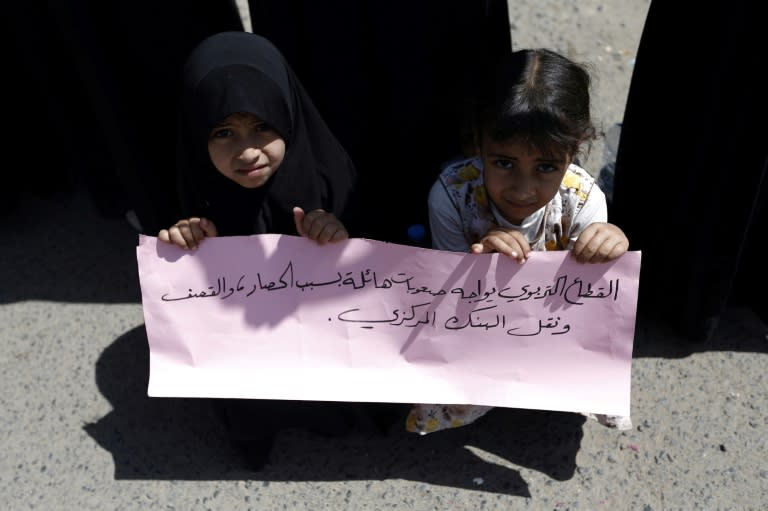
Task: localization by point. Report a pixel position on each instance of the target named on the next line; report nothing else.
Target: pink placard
(280, 317)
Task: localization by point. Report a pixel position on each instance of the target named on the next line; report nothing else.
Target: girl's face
(519, 179)
(246, 149)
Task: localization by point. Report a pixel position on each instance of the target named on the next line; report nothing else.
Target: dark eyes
(260, 127)
(547, 168)
(543, 168)
(221, 133)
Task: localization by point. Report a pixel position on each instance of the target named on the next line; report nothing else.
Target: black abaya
(690, 184)
(391, 79)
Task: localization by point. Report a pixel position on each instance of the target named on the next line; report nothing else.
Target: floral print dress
(555, 227)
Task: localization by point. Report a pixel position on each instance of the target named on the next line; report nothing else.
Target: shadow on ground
(739, 329)
(62, 250)
(169, 438)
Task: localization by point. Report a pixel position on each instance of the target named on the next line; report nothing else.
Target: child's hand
(505, 241)
(319, 225)
(599, 243)
(189, 232)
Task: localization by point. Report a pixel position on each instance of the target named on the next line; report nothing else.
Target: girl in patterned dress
(522, 190)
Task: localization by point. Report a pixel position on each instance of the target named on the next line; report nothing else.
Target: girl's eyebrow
(554, 159)
(542, 159)
(499, 155)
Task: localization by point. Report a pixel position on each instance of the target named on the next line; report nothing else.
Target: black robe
(391, 79)
(690, 183)
(114, 77)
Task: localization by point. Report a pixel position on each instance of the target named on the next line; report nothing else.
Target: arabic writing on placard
(280, 317)
(486, 312)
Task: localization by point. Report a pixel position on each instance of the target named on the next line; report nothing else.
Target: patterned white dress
(461, 214)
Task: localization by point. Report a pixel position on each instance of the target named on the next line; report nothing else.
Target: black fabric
(32, 60)
(690, 187)
(115, 106)
(242, 72)
(391, 79)
(253, 425)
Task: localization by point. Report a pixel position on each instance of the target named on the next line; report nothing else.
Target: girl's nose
(250, 153)
(522, 189)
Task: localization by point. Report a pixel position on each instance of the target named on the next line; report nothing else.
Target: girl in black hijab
(253, 147)
(254, 155)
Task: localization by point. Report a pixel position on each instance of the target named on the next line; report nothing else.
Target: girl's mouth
(520, 205)
(253, 171)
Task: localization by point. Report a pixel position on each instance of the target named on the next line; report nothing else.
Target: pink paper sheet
(280, 317)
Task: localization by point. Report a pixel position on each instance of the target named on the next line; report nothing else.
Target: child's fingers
(314, 223)
(618, 250)
(333, 231)
(195, 232)
(611, 249)
(298, 217)
(510, 247)
(600, 249)
(188, 233)
(341, 234)
(209, 228)
(191, 231)
(600, 242)
(325, 233)
(513, 244)
(319, 225)
(588, 246)
(316, 230)
(178, 237)
(512, 250)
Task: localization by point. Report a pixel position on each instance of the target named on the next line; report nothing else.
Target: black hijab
(235, 72)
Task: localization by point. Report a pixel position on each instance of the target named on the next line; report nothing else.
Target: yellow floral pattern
(425, 419)
(464, 182)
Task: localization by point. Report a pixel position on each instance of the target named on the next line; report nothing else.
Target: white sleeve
(595, 209)
(445, 221)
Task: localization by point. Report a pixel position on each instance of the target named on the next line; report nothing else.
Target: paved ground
(77, 431)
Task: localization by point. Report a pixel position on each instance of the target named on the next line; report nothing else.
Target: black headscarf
(384, 75)
(235, 72)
